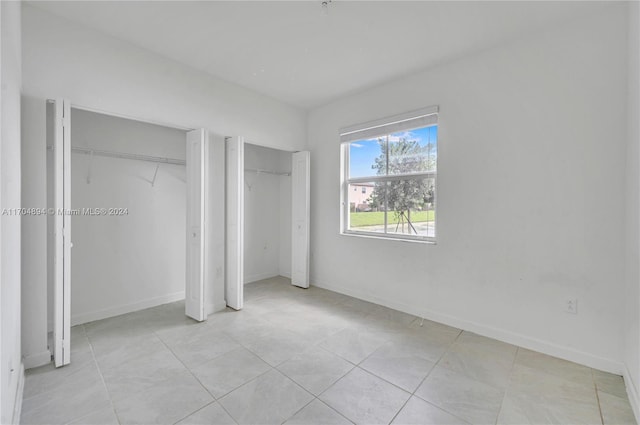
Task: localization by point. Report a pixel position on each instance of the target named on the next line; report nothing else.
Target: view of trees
(401, 196)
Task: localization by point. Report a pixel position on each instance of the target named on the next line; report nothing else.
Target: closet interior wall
(124, 263)
(267, 211)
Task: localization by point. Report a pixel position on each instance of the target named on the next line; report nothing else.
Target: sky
(362, 153)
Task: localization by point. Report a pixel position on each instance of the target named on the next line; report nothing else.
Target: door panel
(300, 199)
(197, 171)
(235, 223)
(62, 232)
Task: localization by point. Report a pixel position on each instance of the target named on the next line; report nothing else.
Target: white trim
(79, 319)
(552, 349)
(260, 276)
(17, 406)
(390, 236)
(392, 177)
(406, 121)
(632, 393)
(37, 359)
(129, 117)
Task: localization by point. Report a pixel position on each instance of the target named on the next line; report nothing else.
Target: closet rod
(123, 155)
(260, 171)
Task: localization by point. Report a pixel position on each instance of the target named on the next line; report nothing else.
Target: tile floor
(311, 356)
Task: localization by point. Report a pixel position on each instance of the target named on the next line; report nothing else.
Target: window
(394, 162)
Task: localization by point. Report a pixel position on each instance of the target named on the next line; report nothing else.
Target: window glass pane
(411, 207)
(364, 158)
(366, 212)
(413, 151)
(399, 206)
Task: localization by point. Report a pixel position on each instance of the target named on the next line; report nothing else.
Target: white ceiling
(291, 51)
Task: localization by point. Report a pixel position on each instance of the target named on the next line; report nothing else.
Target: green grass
(359, 219)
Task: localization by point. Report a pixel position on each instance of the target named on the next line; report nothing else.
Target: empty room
(319, 212)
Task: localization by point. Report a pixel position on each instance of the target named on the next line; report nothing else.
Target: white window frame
(426, 117)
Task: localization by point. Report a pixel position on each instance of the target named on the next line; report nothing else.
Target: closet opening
(128, 182)
(267, 220)
(267, 214)
(126, 210)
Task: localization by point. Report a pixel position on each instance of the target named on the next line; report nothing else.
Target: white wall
(34, 228)
(530, 193)
(63, 59)
(266, 207)
(125, 263)
(631, 336)
(11, 367)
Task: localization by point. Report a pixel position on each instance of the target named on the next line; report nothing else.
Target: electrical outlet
(571, 305)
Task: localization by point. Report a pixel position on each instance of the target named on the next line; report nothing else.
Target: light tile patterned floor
(311, 356)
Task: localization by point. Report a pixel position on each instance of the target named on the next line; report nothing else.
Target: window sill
(387, 238)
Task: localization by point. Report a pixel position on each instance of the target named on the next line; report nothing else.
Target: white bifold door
(300, 215)
(61, 204)
(197, 212)
(234, 279)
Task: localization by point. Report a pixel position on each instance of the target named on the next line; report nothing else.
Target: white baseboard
(37, 359)
(259, 276)
(81, 318)
(632, 393)
(285, 274)
(552, 349)
(17, 406)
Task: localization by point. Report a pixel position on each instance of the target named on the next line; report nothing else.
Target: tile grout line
(300, 409)
(357, 366)
(358, 328)
(595, 387)
(194, 377)
(104, 383)
(196, 411)
(315, 397)
(240, 386)
(413, 394)
(334, 409)
(233, 389)
(271, 368)
(331, 386)
(301, 334)
(508, 384)
(354, 366)
(263, 373)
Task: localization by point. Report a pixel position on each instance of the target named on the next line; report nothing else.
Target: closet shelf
(123, 155)
(261, 171)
